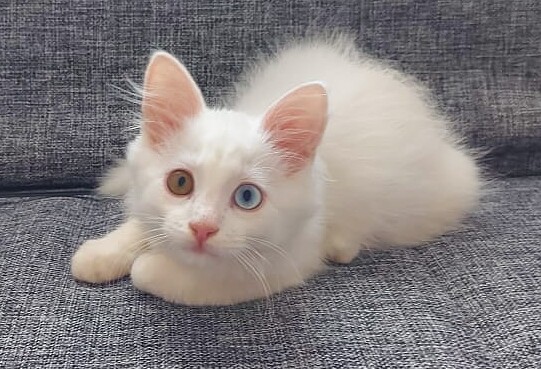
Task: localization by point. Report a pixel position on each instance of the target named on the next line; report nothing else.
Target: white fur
(387, 173)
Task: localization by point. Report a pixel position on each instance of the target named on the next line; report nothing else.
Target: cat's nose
(202, 231)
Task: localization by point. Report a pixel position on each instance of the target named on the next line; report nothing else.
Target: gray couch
(471, 299)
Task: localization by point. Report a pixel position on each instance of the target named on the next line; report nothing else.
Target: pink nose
(202, 231)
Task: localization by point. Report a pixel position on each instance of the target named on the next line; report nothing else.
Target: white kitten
(228, 205)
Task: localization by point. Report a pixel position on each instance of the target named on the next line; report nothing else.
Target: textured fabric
(468, 300)
(61, 121)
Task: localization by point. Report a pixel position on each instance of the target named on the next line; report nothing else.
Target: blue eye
(248, 197)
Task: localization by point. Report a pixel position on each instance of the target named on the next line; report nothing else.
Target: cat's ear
(170, 97)
(296, 122)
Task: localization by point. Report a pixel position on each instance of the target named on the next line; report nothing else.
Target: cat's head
(210, 183)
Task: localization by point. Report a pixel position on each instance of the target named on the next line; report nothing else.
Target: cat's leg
(339, 246)
(110, 257)
(156, 273)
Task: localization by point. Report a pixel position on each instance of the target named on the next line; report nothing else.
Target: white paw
(342, 256)
(153, 273)
(159, 275)
(340, 250)
(99, 261)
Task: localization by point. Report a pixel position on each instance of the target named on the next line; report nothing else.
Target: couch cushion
(470, 299)
(62, 122)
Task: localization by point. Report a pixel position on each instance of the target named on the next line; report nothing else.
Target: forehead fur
(219, 141)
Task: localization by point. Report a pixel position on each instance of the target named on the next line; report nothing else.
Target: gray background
(470, 299)
(63, 121)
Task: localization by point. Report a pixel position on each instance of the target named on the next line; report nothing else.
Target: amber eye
(180, 182)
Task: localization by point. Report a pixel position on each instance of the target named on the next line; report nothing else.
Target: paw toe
(342, 256)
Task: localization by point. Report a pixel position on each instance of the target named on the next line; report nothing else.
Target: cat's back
(347, 74)
(394, 171)
(370, 103)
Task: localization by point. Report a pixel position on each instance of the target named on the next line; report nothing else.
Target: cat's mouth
(191, 248)
(201, 250)
(204, 250)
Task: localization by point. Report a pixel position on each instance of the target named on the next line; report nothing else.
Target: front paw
(340, 250)
(342, 256)
(99, 261)
(154, 273)
(159, 275)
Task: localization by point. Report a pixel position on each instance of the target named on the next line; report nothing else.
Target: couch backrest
(62, 122)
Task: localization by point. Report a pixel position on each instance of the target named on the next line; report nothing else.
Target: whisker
(279, 250)
(269, 301)
(258, 254)
(256, 273)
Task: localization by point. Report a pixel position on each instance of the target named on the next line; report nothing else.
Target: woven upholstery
(467, 300)
(471, 299)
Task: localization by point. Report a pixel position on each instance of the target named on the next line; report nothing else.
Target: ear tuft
(296, 122)
(170, 97)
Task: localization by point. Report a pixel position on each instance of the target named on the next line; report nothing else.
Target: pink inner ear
(170, 97)
(296, 124)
